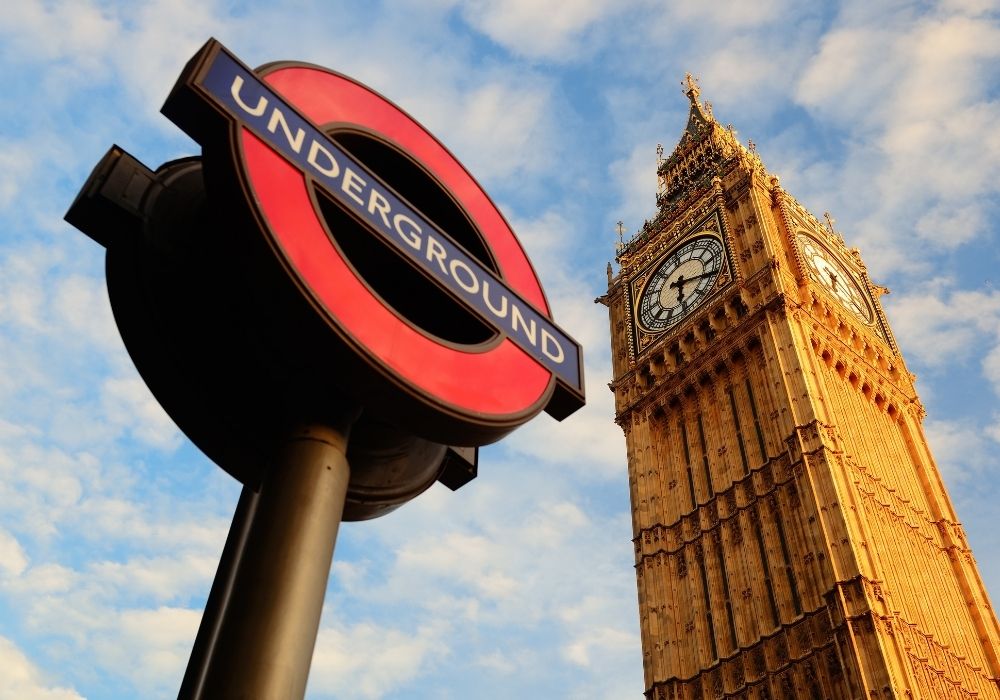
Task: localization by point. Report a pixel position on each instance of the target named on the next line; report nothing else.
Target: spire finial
(830, 221)
(691, 84)
(659, 154)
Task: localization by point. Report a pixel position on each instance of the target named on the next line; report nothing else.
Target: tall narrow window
(789, 572)
(687, 460)
(699, 555)
(725, 590)
(739, 431)
(704, 457)
(756, 423)
(757, 527)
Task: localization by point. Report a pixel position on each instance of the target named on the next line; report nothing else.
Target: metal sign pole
(268, 629)
(218, 598)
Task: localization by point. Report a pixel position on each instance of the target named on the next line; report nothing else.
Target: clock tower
(793, 536)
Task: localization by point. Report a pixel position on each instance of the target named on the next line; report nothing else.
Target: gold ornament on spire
(692, 90)
(830, 221)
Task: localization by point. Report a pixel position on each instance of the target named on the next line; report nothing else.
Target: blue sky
(520, 584)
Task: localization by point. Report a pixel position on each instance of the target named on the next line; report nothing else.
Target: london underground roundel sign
(280, 127)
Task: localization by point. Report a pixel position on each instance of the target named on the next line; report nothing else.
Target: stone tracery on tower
(793, 536)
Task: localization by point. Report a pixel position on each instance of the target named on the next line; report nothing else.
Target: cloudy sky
(521, 583)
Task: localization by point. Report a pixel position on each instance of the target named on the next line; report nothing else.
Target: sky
(521, 583)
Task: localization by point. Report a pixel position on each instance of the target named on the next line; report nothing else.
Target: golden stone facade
(793, 536)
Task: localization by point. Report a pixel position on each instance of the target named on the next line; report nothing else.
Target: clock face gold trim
(826, 270)
(681, 281)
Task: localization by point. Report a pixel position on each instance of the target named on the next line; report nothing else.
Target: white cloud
(16, 164)
(74, 530)
(852, 68)
(949, 226)
(22, 294)
(553, 31)
(72, 29)
(497, 662)
(44, 579)
(507, 548)
(476, 560)
(151, 646)
(112, 616)
(500, 129)
(970, 7)
(129, 405)
(728, 14)
(367, 661)
(13, 560)
(21, 679)
(38, 485)
(161, 578)
(961, 450)
(635, 178)
(944, 326)
(81, 308)
(196, 525)
(742, 73)
(598, 641)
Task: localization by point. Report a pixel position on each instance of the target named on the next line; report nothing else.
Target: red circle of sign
(498, 383)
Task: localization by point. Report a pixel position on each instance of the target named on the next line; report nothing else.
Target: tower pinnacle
(692, 90)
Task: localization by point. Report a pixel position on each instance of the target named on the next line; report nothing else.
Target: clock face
(826, 270)
(681, 283)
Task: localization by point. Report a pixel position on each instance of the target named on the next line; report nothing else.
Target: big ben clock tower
(793, 536)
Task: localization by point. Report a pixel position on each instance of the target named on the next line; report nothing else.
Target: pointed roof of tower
(700, 117)
(701, 127)
(706, 150)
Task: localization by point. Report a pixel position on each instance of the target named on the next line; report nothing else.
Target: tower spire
(692, 90)
(700, 117)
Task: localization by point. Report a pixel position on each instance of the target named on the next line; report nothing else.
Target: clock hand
(682, 280)
(679, 284)
(698, 277)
